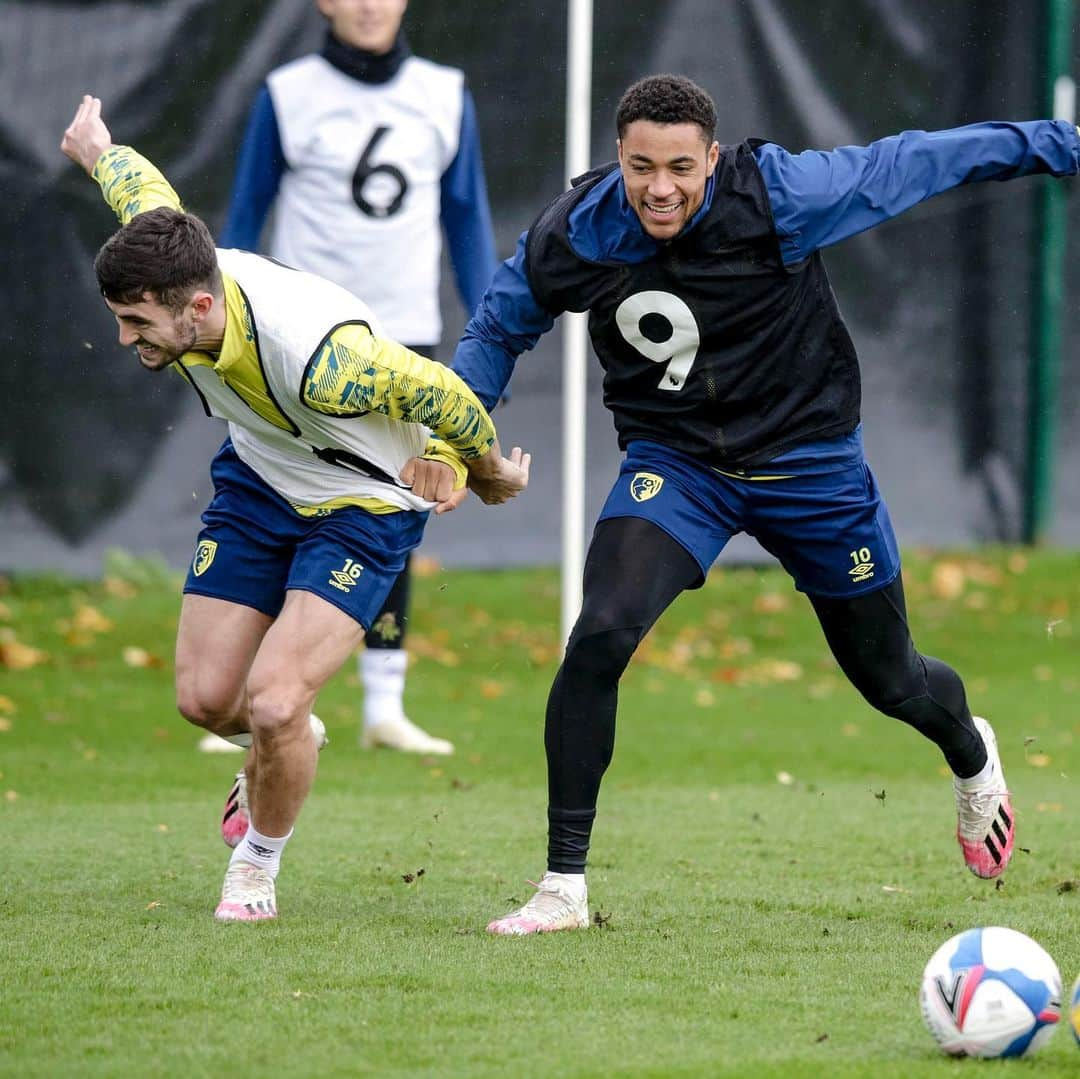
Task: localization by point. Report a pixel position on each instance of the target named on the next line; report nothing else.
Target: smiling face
(158, 334)
(664, 168)
(371, 25)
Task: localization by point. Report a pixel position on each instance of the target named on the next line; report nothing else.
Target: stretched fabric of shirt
(816, 198)
(325, 408)
(363, 173)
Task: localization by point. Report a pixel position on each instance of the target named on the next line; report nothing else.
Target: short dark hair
(667, 99)
(164, 252)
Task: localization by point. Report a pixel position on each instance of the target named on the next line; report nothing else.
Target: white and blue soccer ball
(991, 992)
(1074, 1010)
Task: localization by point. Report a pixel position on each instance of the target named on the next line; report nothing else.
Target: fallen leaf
(153, 904)
(491, 690)
(1048, 807)
(704, 698)
(771, 603)
(1039, 760)
(7, 705)
(895, 888)
(118, 588)
(850, 730)
(91, 620)
(947, 580)
(17, 656)
(11, 796)
(5, 725)
(139, 657)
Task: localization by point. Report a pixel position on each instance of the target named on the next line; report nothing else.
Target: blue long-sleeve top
(818, 198)
(463, 206)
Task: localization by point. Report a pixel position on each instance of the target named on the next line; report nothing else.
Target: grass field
(773, 862)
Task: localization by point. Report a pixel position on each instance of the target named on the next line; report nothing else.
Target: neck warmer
(363, 65)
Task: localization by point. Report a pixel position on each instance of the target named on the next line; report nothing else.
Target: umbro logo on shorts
(343, 579)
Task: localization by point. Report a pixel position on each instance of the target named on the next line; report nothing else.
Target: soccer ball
(990, 993)
(1074, 1011)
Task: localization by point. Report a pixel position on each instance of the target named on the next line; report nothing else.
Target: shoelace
(976, 808)
(242, 879)
(548, 901)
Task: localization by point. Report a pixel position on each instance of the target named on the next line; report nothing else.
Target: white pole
(575, 346)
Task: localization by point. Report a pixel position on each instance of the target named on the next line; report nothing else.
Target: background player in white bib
(340, 443)
(367, 153)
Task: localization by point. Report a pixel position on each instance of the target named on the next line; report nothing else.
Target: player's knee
(602, 654)
(889, 690)
(212, 708)
(278, 711)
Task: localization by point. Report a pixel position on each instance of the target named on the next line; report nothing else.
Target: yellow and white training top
(322, 406)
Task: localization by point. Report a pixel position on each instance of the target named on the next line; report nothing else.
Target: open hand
(86, 137)
(497, 479)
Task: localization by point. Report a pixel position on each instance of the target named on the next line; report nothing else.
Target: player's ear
(711, 158)
(202, 303)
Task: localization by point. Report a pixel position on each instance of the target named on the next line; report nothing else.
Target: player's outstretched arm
(497, 479)
(86, 137)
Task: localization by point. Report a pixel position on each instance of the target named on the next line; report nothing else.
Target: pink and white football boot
(557, 904)
(247, 895)
(986, 824)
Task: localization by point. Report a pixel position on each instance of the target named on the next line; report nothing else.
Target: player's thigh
(340, 576)
(830, 531)
(676, 495)
(303, 649)
(633, 571)
(216, 643)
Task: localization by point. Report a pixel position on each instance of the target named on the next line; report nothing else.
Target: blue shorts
(816, 508)
(255, 546)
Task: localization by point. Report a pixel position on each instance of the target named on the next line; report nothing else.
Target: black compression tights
(388, 629)
(633, 572)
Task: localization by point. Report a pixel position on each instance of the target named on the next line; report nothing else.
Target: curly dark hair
(163, 252)
(667, 99)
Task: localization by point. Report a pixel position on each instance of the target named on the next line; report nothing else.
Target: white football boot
(556, 905)
(405, 736)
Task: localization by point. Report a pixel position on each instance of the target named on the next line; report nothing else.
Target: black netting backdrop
(96, 452)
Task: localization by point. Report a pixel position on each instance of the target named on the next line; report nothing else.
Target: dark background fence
(95, 452)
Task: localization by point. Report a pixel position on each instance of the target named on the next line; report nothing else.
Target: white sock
(979, 778)
(382, 671)
(574, 882)
(261, 850)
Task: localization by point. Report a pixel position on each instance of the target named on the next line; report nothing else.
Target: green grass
(750, 927)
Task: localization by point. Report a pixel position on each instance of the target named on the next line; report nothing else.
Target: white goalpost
(575, 345)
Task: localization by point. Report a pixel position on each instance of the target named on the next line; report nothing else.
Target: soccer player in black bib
(735, 391)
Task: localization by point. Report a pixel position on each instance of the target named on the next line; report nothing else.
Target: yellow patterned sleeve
(131, 184)
(437, 450)
(355, 372)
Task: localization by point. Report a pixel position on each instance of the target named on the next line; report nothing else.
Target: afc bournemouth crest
(204, 555)
(645, 485)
